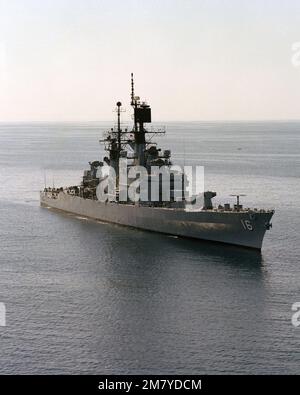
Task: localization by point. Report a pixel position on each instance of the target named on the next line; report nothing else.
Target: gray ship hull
(244, 228)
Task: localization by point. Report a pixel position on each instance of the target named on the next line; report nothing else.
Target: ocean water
(88, 297)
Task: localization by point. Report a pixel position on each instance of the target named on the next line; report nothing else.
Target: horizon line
(154, 122)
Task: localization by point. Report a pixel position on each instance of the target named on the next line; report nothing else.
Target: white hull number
(246, 224)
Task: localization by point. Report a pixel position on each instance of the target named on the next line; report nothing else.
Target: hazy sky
(65, 60)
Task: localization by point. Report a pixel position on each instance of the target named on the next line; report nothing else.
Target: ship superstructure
(137, 148)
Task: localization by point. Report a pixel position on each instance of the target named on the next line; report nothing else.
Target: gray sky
(70, 60)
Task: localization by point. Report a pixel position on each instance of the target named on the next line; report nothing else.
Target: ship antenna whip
(133, 102)
(119, 104)
(132, 90)
(184, 152)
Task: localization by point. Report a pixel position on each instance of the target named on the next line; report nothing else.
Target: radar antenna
(238, 199)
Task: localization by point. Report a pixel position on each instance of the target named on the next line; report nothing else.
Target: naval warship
(170, 215)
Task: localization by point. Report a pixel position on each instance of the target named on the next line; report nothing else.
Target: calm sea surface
(87, 297)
